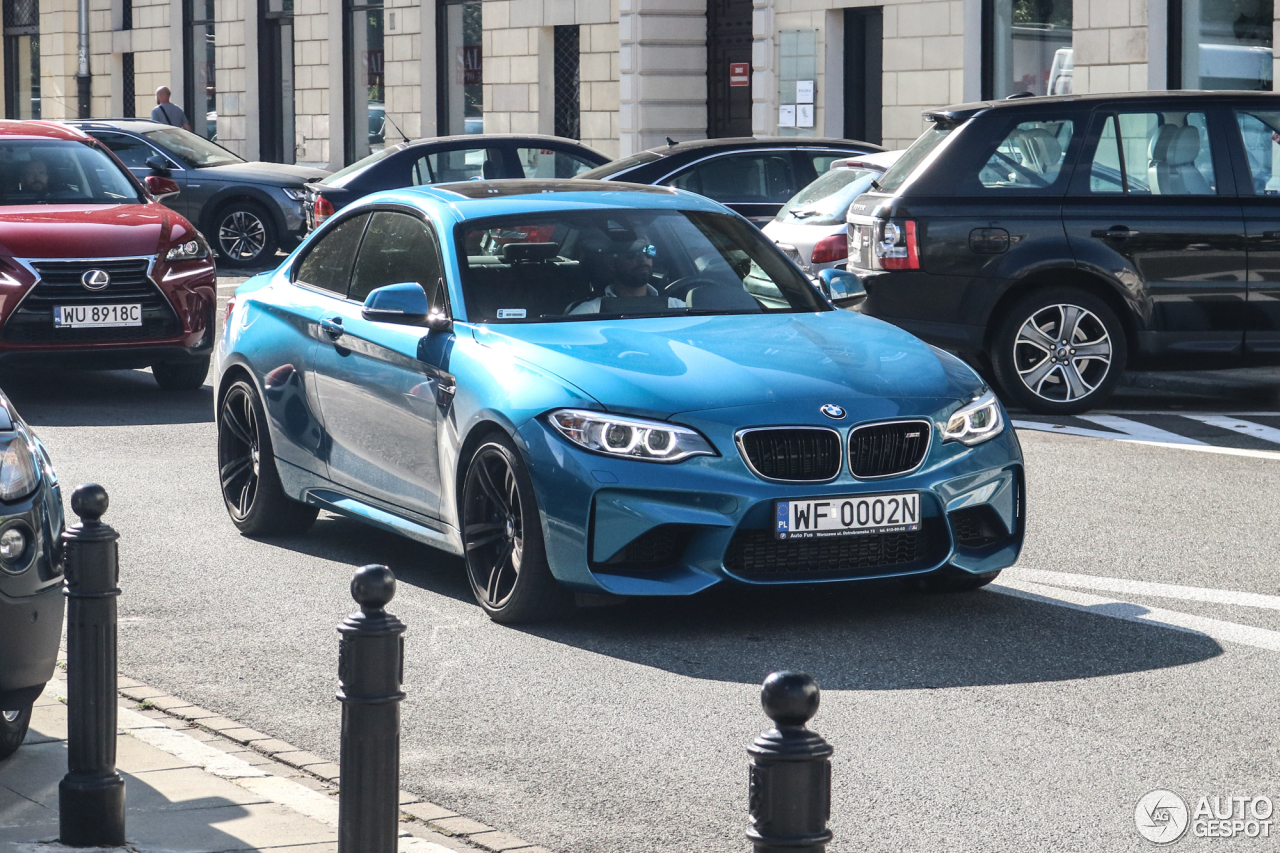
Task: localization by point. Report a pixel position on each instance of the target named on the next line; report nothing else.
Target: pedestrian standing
(168, 113)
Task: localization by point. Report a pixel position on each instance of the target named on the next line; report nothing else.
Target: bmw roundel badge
(95, 279)
(833, 411)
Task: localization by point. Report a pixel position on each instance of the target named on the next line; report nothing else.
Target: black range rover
(1056, 241)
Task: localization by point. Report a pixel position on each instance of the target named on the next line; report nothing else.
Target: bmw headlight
(18, 474)
(190, 250)
(975, 423)
(633, 438)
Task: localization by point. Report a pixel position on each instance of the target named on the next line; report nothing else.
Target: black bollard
(91, 795)
(370, 670)
(790, 793)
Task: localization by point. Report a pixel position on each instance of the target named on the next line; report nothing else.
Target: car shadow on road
(101, 398)
(875, 636)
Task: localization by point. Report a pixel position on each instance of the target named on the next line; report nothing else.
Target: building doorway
(728, 68)
(863, 65)
(277, 138)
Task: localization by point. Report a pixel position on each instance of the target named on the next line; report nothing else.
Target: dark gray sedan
(246, 210)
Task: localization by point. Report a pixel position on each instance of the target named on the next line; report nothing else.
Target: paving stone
(498, 841)
(123, 681)
(244, 735)
(168, 703)
(300, 758)
(202, 735)
(461, 825)
(140, 693)
(407, 798)
(427, 811)
(329, 771)
(219, 724)
(235, 827)
(195, 712)
(272, 746)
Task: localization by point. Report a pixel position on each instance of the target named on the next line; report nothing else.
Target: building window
(22, 58)
(199, 49)
(1027, 47)
(275, 76)
(126, 14)
(1220, 44)
(459, 98)
(568, 121)
(130, 93)
(366, 113)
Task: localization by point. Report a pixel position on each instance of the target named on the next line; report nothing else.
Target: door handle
(333, 328)
(1115, 232)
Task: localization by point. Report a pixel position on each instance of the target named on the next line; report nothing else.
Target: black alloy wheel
(245, 234)
(13, 729)
(502, 536)
(251, 485)
(1059, 351)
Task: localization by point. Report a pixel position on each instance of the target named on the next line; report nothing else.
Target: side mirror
(438, 321)
(843, 288)
(158, 164)
(405, 303)
(161, 188)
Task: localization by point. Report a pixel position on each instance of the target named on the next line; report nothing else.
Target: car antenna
(396, 126)
(670, 142)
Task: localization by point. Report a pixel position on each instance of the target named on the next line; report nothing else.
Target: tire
(250, 483)
(184, 376)
(502, 537)
(13, 729)
(244, 234)
(1040, 368)
(949, 579)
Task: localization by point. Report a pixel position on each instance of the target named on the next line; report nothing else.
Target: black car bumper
(107, 358)
(30, 629)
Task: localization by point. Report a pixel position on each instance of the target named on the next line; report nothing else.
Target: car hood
(667, 365)
(88, 231)
(274, 174)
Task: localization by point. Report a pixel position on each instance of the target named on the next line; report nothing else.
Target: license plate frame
(116, 315)
(798, 518)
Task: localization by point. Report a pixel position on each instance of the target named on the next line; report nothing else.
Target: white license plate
(81, 316)
(852, 515)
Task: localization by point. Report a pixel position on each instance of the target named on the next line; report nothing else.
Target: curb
(285, 774)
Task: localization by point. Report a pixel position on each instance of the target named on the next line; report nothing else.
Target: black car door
(1254, 135)
(755, 183)
(134, 153)
(1153, 208)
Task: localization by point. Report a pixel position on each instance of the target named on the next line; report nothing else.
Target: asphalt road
(1027, 717)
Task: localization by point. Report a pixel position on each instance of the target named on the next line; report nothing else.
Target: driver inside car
(626, 270)
(33, 177)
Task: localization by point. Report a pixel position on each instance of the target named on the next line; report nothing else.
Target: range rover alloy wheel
(502, 536)
(251, 485)
(1059, 351)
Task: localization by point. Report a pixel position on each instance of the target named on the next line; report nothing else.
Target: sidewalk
(191, 789)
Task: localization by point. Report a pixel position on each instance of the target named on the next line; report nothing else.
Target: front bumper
(640, 528)
(31, 600)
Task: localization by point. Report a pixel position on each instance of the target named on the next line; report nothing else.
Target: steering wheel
(679, 289)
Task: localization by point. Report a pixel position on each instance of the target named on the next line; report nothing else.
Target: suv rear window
(1030, 156)
(913, 157)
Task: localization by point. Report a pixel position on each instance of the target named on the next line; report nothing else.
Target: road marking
(1138, 430)
(1239, 425)
(1215, 629)
(1113, 436)
(1156, 590)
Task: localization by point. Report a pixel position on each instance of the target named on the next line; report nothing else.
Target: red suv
(94, 271)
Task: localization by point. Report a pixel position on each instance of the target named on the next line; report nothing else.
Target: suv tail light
(828, 249)
(897, 248)
(322, 210)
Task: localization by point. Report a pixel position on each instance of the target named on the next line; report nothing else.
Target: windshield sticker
(510, 313)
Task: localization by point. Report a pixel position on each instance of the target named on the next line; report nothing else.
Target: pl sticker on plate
(510, 313)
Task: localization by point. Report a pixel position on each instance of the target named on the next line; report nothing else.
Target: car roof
(495, 137)
(759, 142)
(961, 112)
(136, 125)
(45, 129)
(477, 199)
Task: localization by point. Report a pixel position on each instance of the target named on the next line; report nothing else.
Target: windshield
(57, 172)
(613, 167)
(827, 200)
(586, 265)
(197, 151)
(912, 157)
(339, 178)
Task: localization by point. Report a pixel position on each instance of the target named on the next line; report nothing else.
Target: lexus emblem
(95, 279)
(833, 411)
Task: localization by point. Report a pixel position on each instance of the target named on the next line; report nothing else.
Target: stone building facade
(329, 81)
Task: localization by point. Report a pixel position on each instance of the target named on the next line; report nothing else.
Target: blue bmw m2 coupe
(604, 388)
